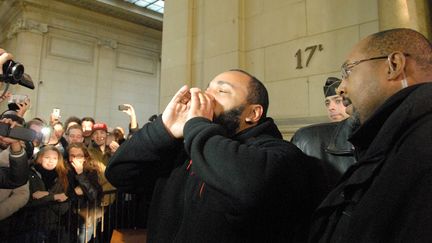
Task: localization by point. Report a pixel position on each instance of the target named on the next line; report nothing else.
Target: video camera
(20, 133)
(13, 73)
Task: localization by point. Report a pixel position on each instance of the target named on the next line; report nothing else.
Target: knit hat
(330, 86)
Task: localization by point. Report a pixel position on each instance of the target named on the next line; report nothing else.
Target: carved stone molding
(24, 25)
(109, 43)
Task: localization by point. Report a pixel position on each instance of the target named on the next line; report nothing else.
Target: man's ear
(396, 64)
(254, 114)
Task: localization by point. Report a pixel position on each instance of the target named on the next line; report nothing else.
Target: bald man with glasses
(386, 196)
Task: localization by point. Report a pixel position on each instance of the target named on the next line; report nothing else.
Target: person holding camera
(17, 173)
(13, 153)
(133, 125)
(11, 200)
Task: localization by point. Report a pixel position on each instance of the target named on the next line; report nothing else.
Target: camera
(16, 99)
(123, 108)
(20, 133)
(13, 73)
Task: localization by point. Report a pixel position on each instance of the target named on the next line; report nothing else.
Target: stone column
(176, 48)
(412, 14)
(200, 39)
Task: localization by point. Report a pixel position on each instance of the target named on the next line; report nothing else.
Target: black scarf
(49, 177)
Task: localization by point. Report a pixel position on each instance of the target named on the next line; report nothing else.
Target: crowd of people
(218, 170)
(53, 186)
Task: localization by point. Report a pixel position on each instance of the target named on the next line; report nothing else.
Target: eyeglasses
(347, 67)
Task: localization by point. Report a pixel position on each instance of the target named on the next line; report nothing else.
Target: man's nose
(332, 106)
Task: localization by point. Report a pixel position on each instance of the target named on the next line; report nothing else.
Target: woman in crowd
(49, 192)
(87, 188)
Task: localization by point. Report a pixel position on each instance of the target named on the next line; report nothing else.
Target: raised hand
(23, 107)
(201, 105)
(6, 96)
(113, 146)
(175, 114)
(8, 140)
(130, 110)
(4, 56)
(78, 165)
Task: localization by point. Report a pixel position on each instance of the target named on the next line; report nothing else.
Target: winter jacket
(386, 196)
(329, 143)
(17, 173)
(88, 181)
(11, 200)
(254, 187)
(44, 213)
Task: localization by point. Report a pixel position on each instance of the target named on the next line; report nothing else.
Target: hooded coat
(254, 187)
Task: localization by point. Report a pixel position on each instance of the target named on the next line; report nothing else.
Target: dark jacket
(387, 195)
(210, 188)
(17, 173)
(329, 143)
(43, 213)
(88, 181)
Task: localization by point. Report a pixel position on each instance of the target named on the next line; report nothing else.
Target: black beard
(230, 120)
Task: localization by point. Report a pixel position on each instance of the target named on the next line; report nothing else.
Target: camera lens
(12, 71)
(17, 71)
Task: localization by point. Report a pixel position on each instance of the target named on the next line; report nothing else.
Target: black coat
(329, 143)
(43, 213)
(210, 188)
(387, 195)
(17, 173)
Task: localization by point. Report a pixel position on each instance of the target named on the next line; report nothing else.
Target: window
(154, 5)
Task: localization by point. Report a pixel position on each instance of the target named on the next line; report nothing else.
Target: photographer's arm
(133, 125)
(4, 56)
(17, 173)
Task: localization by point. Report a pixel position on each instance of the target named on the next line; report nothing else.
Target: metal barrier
(78, 223)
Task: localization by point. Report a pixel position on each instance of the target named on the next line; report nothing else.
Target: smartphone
(14, 100)
(56, 113)
(123, 107)
(17, 98)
